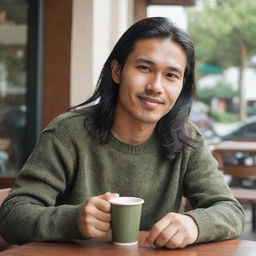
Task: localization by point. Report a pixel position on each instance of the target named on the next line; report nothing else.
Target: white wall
(81, 51)
(96, 26)
(176, 13)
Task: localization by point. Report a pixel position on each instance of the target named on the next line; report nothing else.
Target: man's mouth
(151, 102)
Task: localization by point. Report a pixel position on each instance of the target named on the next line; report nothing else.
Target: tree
(220, 91)
(224, 35)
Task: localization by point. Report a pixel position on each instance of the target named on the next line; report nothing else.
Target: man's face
(150, 80)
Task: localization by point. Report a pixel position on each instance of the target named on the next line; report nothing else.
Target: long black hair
(171, 127)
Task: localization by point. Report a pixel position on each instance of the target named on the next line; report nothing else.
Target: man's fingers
(102, 216)
(109, 195)
(166, 235)
(89, 223)
(95, 217)
(173, 231)
(102, 205)
(97, 233)
(101, 202)
(91, 210)
(101, 226)
(177, 241)
(157, 229)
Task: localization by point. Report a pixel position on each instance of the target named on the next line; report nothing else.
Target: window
(13, 43)
(19, 82)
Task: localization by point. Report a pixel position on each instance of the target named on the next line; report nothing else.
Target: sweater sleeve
(218, 214)
(31, 211)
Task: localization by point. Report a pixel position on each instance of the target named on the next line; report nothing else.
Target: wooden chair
(239, 171)
(3, 194)
(7, 181)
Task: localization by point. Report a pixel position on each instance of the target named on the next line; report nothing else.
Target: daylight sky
(175, 13)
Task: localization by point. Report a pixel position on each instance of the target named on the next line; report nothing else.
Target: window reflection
(13, 43)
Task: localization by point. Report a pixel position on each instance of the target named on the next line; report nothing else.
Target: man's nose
(155, 84)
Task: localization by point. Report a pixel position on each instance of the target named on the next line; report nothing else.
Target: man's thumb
(110, 195)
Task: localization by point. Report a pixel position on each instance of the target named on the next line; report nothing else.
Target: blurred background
(51, 54)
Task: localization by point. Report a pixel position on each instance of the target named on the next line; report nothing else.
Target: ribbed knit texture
(68, 167)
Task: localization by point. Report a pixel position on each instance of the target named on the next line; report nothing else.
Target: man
(136, 141)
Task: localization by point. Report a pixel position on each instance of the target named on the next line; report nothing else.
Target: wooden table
(239, 170)
(233, 147)
(106, 248)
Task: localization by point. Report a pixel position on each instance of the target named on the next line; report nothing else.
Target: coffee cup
(125, 219)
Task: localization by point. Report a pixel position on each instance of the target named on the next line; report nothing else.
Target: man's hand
(95, 217)
(173, 231)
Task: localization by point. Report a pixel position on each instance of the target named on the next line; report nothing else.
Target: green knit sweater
(68, 167)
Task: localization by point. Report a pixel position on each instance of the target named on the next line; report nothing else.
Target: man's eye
(144, 68)
(171, 75)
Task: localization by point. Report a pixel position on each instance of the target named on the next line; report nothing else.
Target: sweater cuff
(204, 224)
(78, 224)
(66, 225)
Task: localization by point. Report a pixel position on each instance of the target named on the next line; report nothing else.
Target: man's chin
(148, 119)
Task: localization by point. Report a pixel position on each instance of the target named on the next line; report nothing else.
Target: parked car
(242, 131)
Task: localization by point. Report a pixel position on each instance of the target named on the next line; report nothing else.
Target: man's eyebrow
(145, 61)
(175, 69)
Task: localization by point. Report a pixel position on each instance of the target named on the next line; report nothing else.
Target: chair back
(3, 194)
(239, 171)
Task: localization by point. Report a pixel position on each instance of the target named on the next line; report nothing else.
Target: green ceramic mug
(125, 219)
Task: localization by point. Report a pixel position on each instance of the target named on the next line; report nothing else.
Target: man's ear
(116, 71)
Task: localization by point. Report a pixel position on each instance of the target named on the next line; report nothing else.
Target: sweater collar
(150, 145)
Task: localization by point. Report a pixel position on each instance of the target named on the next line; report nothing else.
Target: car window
(251, 130)
(248, 131)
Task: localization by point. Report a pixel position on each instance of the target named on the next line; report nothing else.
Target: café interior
(61, 47)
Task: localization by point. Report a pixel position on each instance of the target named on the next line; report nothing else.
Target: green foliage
(219, 28)
(220, 91)
(14, 56)
(224, 117)
(14, 63)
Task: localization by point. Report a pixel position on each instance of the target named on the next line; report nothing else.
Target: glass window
(13, 76)
(251, 130)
